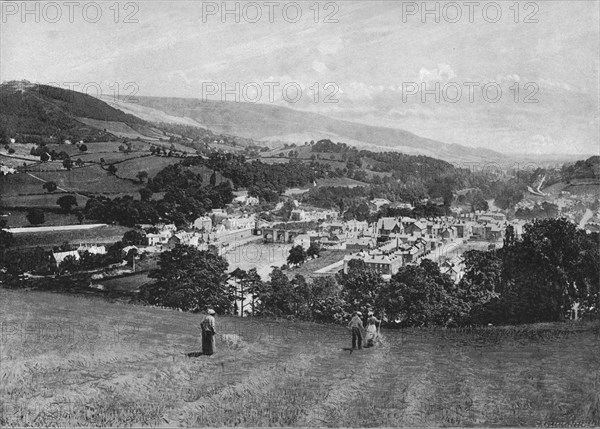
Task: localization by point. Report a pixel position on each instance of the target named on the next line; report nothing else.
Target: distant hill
(588, 169)
(278, 125)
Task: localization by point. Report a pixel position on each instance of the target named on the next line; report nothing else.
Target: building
(302, 240)
(92, 248)
(389, 225)
(7, 170)
(184, 238)
(416, 228)
(463, 230)
(380, 202)
(385, 264)
(159, 239)
(236, 223)
(203, 223)
(59, 257)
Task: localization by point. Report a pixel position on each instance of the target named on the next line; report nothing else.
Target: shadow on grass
(196, 354)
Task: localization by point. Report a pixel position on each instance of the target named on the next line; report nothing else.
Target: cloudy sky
(372, 58)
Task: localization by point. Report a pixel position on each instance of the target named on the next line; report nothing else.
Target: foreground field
(71, 361)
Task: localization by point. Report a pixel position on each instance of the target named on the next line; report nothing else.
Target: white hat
(359, 313)
(210, 311)
(370, 313)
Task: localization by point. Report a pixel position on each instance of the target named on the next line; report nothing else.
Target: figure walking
(356, 326)
(208, 333)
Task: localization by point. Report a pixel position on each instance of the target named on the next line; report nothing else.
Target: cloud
(443, 72)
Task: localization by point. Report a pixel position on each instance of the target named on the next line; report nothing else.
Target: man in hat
(208, 333)
(372, 322)
(356, 326)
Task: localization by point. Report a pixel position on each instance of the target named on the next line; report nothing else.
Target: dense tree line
(539, 211)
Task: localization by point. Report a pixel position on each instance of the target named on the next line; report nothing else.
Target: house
(237, 223)
(416, 228)
(203, 223)
(7, 170)
(388, 225)
(463, 230)
(297, 215)
(380, 202)
(494, 233)
(128, 248)
(159, 239)
(448, 233)
(359, 243)
(335, 227)
(386, 264)
(252, 201)
(59, 257)
(357, 226)
(183, 238)
(92, 248)
(302, 240)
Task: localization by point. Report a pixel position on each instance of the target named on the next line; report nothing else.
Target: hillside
(39, 112)
(277, 125)
(93, 363)
(33, 113)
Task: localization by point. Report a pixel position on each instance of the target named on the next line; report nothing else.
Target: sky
(516, 77)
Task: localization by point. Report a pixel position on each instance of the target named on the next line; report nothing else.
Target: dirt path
(57, 187)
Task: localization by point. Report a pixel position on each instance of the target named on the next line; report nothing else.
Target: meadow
(83, 361)
(103, 235)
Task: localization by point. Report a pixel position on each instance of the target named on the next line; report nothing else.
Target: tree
(549, 270)
(313, 250)
(50, 186)
(44, 157)
(277, 297)
(141, 175)
(360, 286)
(79, 162)
(83, 148)
(68, 164)
(112, 169)
(254, 286)
(190, 279)
(422, 296)
(134, 237)
(36, 216)
(145, 194)
(67, 202)
(68, 265)
(297, 255)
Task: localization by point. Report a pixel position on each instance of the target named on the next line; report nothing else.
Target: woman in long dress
(208, 333)
(371, 329)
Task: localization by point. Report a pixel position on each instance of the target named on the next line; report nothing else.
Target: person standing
(356, 326)
(208, 333)
(372, 322)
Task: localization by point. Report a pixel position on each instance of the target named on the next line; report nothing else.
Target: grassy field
(18, 218)
(103, 234)
(326, 258)
(91, 178)
(80, 361)
(152, 164)
(39, 200)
